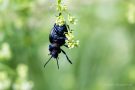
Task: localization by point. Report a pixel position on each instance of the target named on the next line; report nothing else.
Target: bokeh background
(105, 59)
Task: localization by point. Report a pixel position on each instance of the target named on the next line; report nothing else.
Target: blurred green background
(105, 59)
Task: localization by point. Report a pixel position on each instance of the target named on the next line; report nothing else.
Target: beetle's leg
(68, 27)
(47, 62)
(57, 62)
(66, 56)
(66, 46)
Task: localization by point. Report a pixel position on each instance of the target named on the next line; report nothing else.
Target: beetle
(57, 39)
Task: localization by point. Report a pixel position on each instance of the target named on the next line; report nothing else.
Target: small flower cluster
(61, 21)
(71, 19)
(70, 40)
(61, 7)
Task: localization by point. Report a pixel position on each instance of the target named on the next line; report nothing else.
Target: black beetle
(57, 39)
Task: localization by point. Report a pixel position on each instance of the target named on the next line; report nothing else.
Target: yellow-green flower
(64, 8)
(60, 20)
(69, 35)
(72, 19)
(70, 40)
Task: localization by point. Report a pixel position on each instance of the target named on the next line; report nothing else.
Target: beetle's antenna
(66, 56)
(47, 61)
(57, 62)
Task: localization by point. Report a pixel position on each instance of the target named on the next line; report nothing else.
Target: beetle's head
(54, 53)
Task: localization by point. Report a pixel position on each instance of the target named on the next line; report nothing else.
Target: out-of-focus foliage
(131, 13)
(105, 59)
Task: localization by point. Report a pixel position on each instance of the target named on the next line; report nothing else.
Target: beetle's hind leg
(47, 61)
(66, 56)
(66, 46)
(57, 62)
